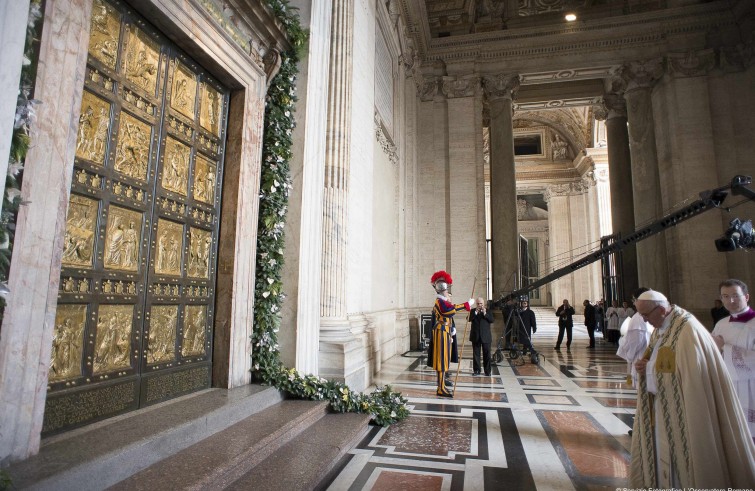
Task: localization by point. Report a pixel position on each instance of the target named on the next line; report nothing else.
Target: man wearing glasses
(689, 429)
(735, 337)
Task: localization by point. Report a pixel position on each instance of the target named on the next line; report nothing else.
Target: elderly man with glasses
(689, 429)
(735, 337)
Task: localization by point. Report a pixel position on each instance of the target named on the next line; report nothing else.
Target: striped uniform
(443, 313)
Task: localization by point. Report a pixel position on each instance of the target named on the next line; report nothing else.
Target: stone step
(308, 459)
(218, 461)
(102, 454)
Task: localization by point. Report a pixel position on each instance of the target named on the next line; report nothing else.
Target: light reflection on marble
(541, 382)
(593, 384)
(429, 436)
(617, 401)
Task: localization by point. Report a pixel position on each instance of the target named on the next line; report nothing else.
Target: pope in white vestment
(689, 429)
(633, 344)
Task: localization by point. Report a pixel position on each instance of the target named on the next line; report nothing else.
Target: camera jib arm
(709, 199)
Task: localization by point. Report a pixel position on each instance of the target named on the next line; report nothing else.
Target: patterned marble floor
(558, 425)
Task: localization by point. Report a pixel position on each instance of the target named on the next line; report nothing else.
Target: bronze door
(135, 308)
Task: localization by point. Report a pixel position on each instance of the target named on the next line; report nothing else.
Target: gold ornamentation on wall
(205, 173)
(200, 245)
(176, 166)
(195, 332)
(142, 59)
(80, 231)
(184, 93)
(112, 348)
(67, 342)
(132, 150)
(169, 252)
(209, 113)
(162, 334)
(94, 124)
(122, 239)
(105, 30)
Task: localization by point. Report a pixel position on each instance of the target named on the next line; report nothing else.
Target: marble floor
(558, 425)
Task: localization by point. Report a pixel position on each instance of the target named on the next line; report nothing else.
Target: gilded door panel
(184, 94)
(132, 151)
(78, 249)
(162, 334)
(68, 342)
(104, 34)
(94, 127)
(113, 339)
(142, 59)
(137, 286)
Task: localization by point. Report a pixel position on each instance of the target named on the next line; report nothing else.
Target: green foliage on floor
(384, 405)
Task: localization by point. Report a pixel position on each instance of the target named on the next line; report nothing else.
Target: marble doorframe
(28, 325)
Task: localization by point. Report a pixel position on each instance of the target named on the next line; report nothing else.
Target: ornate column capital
(431, 88)
(616, 105)
(692, 63)
(600, 111)
(572, 188)
(501, 85)
(737, 58)
(642, 74)
(463, 86)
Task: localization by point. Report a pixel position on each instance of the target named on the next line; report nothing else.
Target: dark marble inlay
(390, 480)
(430, 436)
(623, 402)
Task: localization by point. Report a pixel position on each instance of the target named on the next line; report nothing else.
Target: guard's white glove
(453, 332)
(471, 303)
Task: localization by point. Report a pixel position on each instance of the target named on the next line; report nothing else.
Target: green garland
(384, 405)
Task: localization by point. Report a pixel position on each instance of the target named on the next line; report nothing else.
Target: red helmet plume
(441, 280)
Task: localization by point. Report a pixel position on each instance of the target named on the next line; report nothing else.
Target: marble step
(308, 459)
(220, 460)
(102, 454)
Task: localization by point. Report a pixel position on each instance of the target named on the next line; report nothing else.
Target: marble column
(300, 317)
(13, 17)
(34, 277)
(622, 206)
(466, 226)
(500, 91)
(652, 262)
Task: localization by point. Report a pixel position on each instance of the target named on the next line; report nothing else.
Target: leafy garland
(384, 405)
(20, 141)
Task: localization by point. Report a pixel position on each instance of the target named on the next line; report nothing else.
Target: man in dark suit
(480, 336)
(590, 321)
(565, 323)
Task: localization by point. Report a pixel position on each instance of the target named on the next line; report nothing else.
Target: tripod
(512, 331)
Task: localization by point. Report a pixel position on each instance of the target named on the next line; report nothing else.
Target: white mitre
(653, 296)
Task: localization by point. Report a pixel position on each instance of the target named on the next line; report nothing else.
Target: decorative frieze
(691, 63)
(384, 140)
(572, 188)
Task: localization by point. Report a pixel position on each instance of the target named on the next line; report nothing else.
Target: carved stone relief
(194, 334)
(113, 341)
(104, 33)
(692, 63)
(200, 246)
(176, 166)
(132, 150)
(94, 126)
(162, 334)
(122, 239)
(184, 93)
(67, 342)
(78, 248)
(169, 255)
(142, 59)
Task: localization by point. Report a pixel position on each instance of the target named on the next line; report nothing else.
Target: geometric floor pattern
(559, 425)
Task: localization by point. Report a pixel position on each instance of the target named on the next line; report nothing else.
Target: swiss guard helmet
(441, 281)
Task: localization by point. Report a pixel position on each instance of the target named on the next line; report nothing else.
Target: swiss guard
(443, 327)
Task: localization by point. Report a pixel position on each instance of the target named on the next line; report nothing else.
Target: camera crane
(739, 234)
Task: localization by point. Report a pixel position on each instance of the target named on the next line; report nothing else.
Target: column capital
(642, 74)
(431, 88)
(502, 85)
(737, 58)
(600, 111)
(692, 63)
(462, 86)
(572, 188)
(616, 105)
